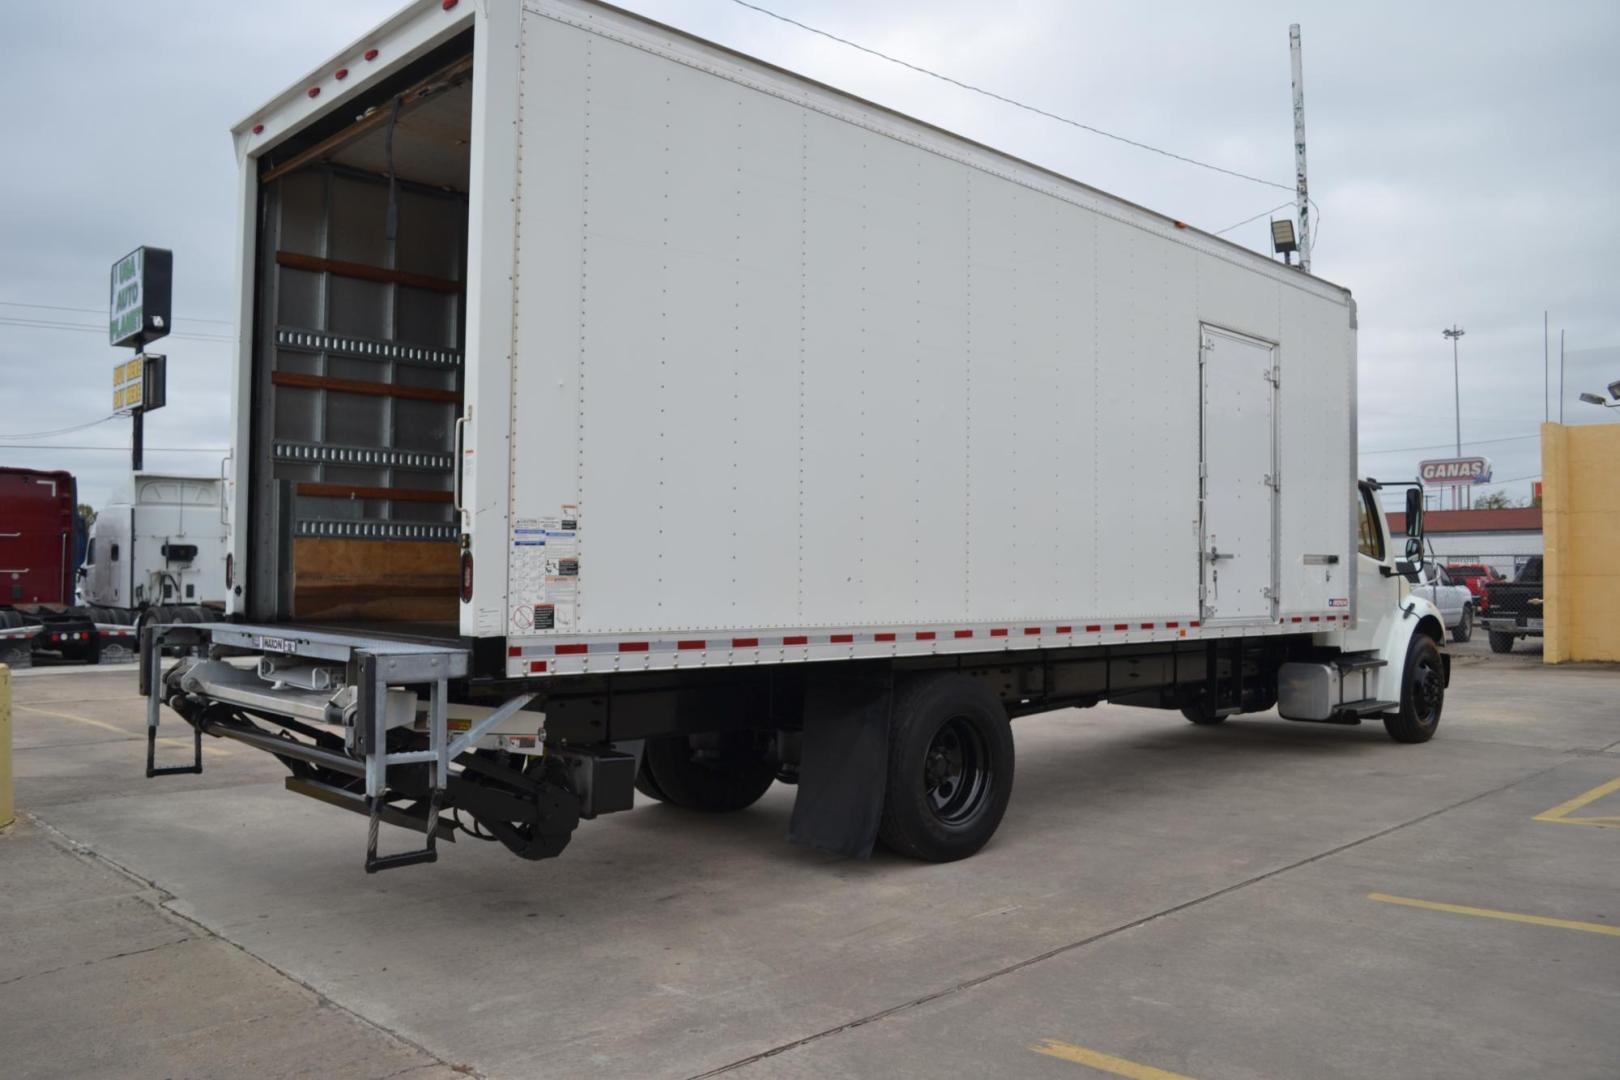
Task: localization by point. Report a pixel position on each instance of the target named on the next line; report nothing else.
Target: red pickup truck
(1476, 576)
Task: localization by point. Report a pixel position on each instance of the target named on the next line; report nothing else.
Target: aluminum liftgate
(364, 685)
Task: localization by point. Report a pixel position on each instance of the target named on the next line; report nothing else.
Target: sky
(1465, 158)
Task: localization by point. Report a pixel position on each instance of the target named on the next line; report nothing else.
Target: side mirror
(1411, 567)
(1414, 512)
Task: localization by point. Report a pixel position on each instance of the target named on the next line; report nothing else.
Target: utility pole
(1301, 190)
(1560, 376)
(1546, 372)
(1456, 390)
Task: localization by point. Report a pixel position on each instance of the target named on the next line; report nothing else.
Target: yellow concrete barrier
(1580, 513)
(7, 813)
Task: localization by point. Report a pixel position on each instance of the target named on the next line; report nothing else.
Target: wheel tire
(1423, 693)
(1501, 642)
(950, 769)
(1196, 712)
(717, 773)
(1465, 628)
(645, 782)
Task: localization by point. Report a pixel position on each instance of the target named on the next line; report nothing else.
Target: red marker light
(314, 91)
(341, 73)
(258, 129)
(371, 54)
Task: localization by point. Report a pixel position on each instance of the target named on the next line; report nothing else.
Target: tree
(87, 512)
(1496, 500)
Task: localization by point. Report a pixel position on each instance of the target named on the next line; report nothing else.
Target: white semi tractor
(614, 410)
(164, 544)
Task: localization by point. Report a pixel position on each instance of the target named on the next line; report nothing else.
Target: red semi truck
(41, 544)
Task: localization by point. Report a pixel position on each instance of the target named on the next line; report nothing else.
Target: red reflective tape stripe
(1094, 629)
(1171, 625)
(1296, 618)
(745, 643)
(571, 650)
(1316, 618)
(1147, 626)
(632, 646)
(925, 635)
(1032, 631)
(691, 645)
(536, 666)
(797, 639)
(843, 639)
(514, 650)
(999, 632)
(882, 637)
(1194, 623)
(959, 633)
(1122, 626)
(1065, 629)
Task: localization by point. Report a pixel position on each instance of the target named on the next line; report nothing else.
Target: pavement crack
(97, 960)
(980, 980)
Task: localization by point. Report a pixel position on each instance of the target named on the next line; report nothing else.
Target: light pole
(1456, 390)
(1614, 392)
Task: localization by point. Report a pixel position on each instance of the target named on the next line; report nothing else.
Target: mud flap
(843, 765)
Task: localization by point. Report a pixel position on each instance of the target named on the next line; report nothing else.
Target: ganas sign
(138, 308)
(1444, 471)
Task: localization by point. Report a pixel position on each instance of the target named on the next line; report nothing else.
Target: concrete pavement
(1188, 899)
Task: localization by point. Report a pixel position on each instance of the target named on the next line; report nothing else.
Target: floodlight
(1614, 389)
(1593, 399)
(1282, 237)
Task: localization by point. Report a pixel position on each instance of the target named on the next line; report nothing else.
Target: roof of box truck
(309, 87)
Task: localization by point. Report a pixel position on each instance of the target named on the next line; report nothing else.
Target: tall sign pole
(138, 312)
(1302, 193)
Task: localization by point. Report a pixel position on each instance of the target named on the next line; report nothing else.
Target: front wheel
(1501, 642)
(1423, 693)
(1464, 629)
(950, 769)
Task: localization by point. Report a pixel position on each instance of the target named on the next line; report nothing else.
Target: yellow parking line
(1491, 913)
(1560, 813)
(214, 750)
(1102, 1062)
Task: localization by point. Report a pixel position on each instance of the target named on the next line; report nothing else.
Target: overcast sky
(1466, 159)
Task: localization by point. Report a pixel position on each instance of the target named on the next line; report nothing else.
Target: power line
(1256, 217)
(41, 324)
(99, 311)
(1011, 101)
(1447, 446)
(59, 431)
(120, 449)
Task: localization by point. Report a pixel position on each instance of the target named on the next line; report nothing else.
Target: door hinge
(1272, 376)
(1274, 482)
(1269, 593)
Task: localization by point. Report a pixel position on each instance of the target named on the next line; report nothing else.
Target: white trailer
(612, 406)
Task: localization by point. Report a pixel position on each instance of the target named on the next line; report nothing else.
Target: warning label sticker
(544, 572)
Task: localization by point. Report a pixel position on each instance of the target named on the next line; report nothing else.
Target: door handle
(1214, 555)
(456, 444)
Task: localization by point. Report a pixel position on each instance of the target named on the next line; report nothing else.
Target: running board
(1366, 707)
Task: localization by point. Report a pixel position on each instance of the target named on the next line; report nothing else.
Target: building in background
(1502, 539)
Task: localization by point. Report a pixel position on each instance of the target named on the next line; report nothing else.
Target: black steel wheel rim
(1428, 688)
(957, 772)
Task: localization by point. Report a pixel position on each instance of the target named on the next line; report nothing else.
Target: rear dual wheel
(717, 772)
(950, 769)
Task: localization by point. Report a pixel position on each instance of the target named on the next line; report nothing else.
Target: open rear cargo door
(358, 372)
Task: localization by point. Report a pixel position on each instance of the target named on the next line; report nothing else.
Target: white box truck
(613, 409)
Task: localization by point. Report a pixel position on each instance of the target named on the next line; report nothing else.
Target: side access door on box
(1238, 495)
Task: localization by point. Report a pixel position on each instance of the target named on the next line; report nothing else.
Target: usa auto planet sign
(1465, 470)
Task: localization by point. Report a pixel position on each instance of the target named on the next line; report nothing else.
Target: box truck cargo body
(647, 413)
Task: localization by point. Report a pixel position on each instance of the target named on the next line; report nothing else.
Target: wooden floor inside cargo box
(376, 581)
